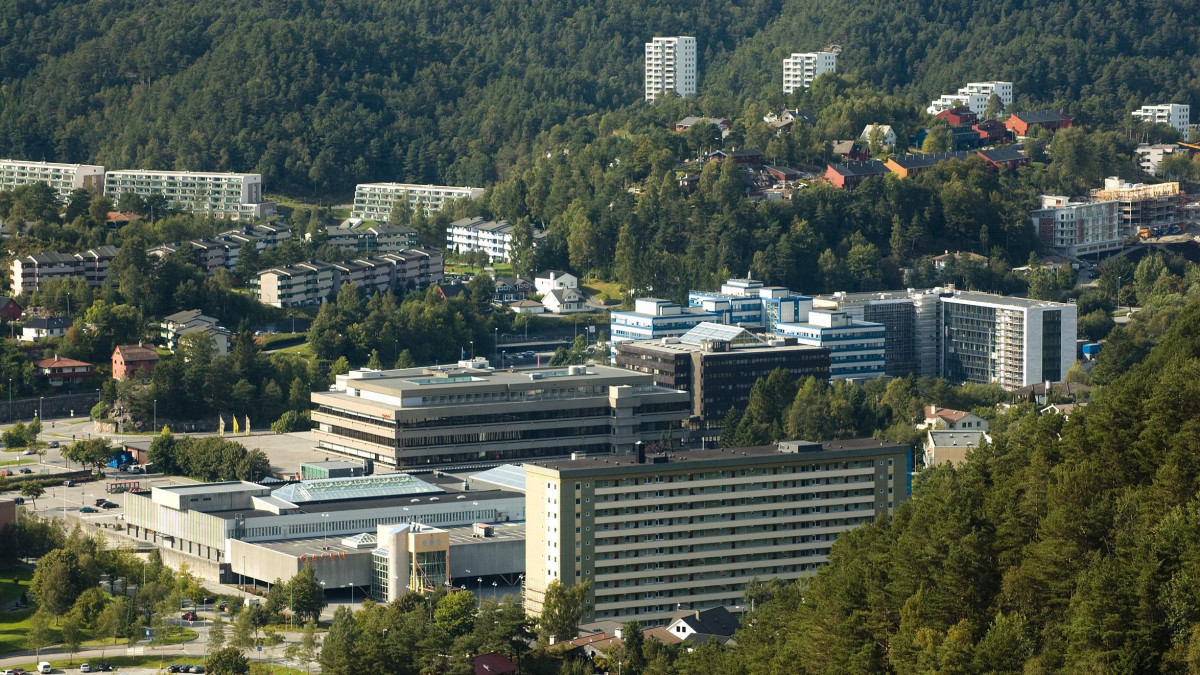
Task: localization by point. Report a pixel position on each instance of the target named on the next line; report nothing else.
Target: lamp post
(472, 350)
(10, 396)
(326, 528)
(480, 580)
(68, 303)
(41, 399)
(155, 424)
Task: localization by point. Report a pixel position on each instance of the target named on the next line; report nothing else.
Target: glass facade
(379, 575)
(1052, 345)
(429, 570)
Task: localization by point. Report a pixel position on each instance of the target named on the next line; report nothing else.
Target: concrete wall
(51, 406)
(208, 570)
(266, 565)
(487, 557)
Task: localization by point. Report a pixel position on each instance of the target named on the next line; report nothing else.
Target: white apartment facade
(800, 69)
(1177, 116)
(1014, 342)
(974, 96)
(689, 530)
(1078, 228)
(235, 195)
(1151, 156)
(63, 178)
(493, 237)
(670, 66)
(374, 201)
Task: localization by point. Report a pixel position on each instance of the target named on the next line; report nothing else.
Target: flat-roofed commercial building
(471, 413)
(689, 530)
(63, 178)
(909, 318)
(236, 195)
(1014, 342)
(212, 525)
(374, 201)
(718, 365)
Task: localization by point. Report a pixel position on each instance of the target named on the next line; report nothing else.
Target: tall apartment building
(671, 66)
(1014, 342)
(718, 365)
(377, 239)
(1177, 116)
(1141, 205)
(689, 530)
(64, 178)
(235, 195)
(471, 413)
(800, 69)
(974, 96)
(310, 283)
(1078, 228)
(374, 201)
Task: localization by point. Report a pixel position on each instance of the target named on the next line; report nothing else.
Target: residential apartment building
(1019, 123)
(1175, 115)
(374, 201)
(63, 178)
(477, 234)
(223, 250)
(718, 365)
(657, 533)
(974, 96)
(800, 69)
(1141, 205)
(175, 326)
(472, 413)
(234, 195)
(1150, 156)
(310, 283)
(1014, 342)
(1078, 228)
(849, 175)
(28, 273)
(670, 66)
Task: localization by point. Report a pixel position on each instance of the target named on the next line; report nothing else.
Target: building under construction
(1140, 205)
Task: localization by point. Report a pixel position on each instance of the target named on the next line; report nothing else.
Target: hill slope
(320, 95)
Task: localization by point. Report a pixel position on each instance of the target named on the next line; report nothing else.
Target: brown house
(64, 371)
(1051, 120)
(129, 360)
(10, 310)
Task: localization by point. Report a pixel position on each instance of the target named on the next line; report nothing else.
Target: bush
(99, 411)
(292, 421)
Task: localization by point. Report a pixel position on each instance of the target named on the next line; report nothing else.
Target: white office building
(800, 69)
(234, 195)
(374, 201)
(64, 178)
(1175, 115)
(671, 66)
(1014, 342)
(1078, 228)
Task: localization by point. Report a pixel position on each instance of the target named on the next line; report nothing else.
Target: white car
(27, 452)
(85, 667)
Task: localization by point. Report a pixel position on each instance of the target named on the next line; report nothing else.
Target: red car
(189, 616)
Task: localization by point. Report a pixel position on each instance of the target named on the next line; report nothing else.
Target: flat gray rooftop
(1001, 300)
(803, 449)
(212, 488)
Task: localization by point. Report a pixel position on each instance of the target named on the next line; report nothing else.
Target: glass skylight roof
(361, 487)
(734, 335)
(506, 476)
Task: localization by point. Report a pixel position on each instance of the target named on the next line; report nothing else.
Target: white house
(889, 135)
(549, 280)
(564, 301)
(948, 419)
(527, 307)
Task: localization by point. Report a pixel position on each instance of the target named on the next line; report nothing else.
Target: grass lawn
(608, 291)
(13, 627)
(502, 269)
(21, 460)
(301, 349)
(13, 582)
(270, 341)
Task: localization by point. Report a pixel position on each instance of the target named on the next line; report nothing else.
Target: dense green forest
(320, 95)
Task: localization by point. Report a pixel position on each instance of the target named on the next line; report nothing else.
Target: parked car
(69, 483)
(102, 667)
(26, 452)
(223, 607)
(88, 509)
(110, 505)
(100, 502)
(189, 616)
(136, 469)
(196, 669)
(54, 444)
(85, 668)
(26, 470)
(18, 500)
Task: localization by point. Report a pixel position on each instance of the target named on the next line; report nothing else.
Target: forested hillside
(320, 95)
(1064, 547)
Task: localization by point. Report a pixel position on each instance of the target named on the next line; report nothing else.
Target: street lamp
(480, 580)
(155, 425)
(40, 400)
(326, 528)
(472, 349)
